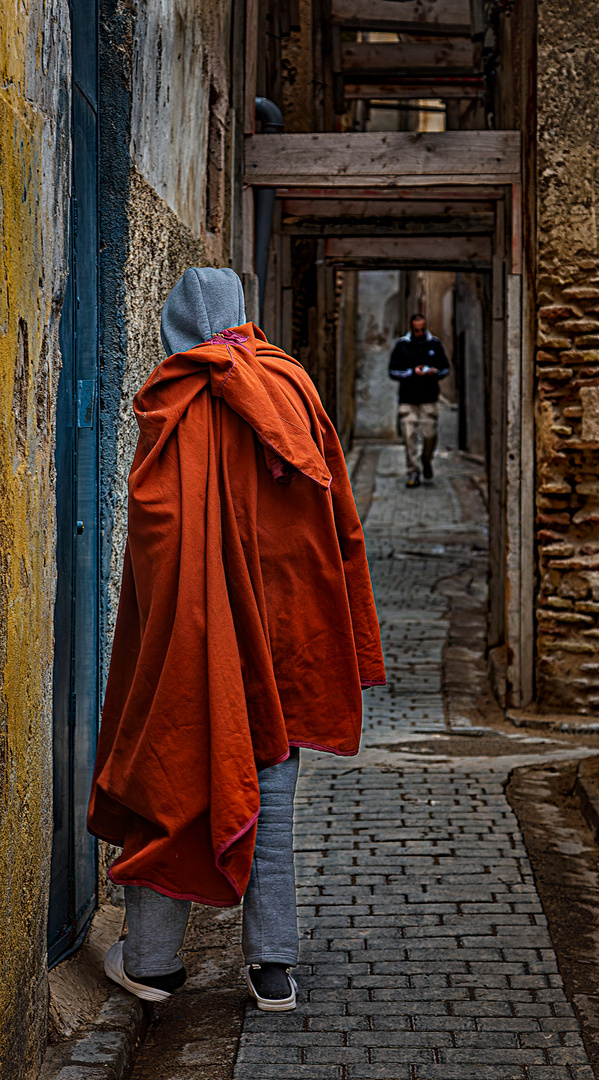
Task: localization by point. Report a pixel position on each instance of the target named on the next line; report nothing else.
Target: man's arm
(399, 364)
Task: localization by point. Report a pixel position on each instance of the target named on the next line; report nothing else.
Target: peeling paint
(34, 120)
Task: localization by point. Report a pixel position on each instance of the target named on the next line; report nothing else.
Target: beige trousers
(419, 423)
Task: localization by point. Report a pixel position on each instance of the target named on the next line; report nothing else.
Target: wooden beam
(370, 209)
(458, 225)
(437, 56)
(252, 9)
(426, 16)
(474, 252)
(395, 195)
(383, 159)
(408, 89)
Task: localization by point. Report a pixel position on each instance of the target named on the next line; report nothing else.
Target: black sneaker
(427, 470)
(272, 986)
(413, 480)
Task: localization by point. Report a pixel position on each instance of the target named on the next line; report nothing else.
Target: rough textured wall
(34, 163)
(568, 356)
(160, 248)
(377, 330)
(167, 133)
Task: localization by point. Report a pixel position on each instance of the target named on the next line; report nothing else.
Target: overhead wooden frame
(383, 159)
(407, 88)
(415, 16)
(409, 225)
(413, 252)
(453, 55)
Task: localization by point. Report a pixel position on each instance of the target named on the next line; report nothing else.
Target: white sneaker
(114, 966)
(273, 1004)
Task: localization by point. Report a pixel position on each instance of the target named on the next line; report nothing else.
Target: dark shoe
(413, 480)
(272, 986)
(427, 470)
(156, 988)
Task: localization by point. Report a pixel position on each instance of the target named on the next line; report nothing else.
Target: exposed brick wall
(567, 359)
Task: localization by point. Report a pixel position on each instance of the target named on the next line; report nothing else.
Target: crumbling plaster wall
(567, 412)
(377, 332)
(34, 186)
(165, 93)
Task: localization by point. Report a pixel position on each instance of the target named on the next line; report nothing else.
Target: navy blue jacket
(410, 353)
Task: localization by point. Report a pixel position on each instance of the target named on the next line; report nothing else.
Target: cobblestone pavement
(425, 951)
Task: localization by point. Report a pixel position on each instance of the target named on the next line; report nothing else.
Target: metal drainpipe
(264, 200)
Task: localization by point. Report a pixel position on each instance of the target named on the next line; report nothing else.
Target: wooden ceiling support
(459, 252)
(328, 209)
(417, 16)
(408, 89)
(386, 159)
(481, 194)
(439, 55)
(431, 225)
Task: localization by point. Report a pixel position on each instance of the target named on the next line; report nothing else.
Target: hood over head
(205, 301)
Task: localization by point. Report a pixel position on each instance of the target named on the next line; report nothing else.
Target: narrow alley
(425, 952)
(243, 240)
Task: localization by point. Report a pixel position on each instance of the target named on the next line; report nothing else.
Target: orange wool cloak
(246, 622)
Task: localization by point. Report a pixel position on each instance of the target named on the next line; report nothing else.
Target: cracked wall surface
(34, 186)
(166, 148)
(567, 411)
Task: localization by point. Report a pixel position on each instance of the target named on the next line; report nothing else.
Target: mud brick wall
(567, 359)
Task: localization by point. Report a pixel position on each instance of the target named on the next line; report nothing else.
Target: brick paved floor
(425, 952)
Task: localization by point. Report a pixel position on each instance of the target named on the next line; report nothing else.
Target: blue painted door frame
(76, 663)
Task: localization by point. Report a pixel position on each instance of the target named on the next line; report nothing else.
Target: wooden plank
(527, 490)
(286, 296)
(392, 196)
(329, 209)
(516, 202)
(438, 56)
(474, 251)
(252, 9)
(407, 88)
(444, 225)
(430, 16)
(497, 459)
(383, 158)
(513, 485)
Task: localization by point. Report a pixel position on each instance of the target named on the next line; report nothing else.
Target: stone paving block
(266, 1071)
(377, 1072)
(81, 1072)
(102, 1048)
(427, 954)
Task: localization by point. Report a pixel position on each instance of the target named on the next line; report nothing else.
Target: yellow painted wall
(34, 98)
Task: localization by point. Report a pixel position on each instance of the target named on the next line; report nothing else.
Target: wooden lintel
(437, 56)
(428, 16)
(443, 225)
(358, 209)
(483, 192)
(389, 159)
(417, 251)
(251, 64)
(396, 89)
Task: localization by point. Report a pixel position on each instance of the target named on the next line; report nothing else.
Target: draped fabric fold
(246, 622)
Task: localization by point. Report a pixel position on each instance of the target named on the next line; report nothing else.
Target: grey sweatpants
(156, 924)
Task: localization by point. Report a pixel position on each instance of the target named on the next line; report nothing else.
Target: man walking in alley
(246, 630)
(418, 362)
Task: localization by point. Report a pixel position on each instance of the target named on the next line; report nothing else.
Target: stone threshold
(572, 722)
(95, 1026)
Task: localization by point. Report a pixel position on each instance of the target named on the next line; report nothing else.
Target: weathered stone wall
(34, 185)
(568, 356)
(167, 137)
(377, 330)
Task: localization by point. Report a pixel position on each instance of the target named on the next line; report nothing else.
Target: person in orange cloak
(246, 629)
